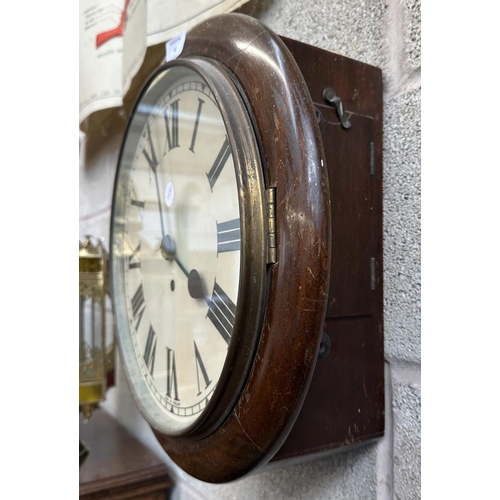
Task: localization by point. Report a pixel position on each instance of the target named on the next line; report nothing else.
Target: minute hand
(153, 163)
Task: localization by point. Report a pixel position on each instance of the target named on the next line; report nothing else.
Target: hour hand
(195, 282)
(195, 285)
(168, 250)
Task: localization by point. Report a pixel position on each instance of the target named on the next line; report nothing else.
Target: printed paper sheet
(114, 36)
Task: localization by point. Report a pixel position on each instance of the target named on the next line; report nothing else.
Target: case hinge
(271, 225)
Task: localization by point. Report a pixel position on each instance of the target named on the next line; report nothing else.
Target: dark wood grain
(118, 466)
(345, 402)
(348, 160)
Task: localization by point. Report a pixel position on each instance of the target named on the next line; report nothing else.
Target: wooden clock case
(325, 289)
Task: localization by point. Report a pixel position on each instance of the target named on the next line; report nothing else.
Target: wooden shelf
(118, 466)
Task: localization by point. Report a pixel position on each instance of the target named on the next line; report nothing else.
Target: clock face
(176, 242)
(232, 320)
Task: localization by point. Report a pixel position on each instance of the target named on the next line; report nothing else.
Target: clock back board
(345, 401)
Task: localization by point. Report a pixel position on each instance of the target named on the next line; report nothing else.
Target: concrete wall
(385, 34)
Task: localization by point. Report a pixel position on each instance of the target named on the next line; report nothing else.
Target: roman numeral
(140, 205)
(137, 203)
(138, 305)
(200, 367)
(171, 374)
(228, 236)
(134, 256)
(221, 312)
(150, 351)
(219, 163)
(201, 102)
(151, 154)
(172, 115)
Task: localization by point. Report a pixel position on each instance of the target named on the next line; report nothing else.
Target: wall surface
(385, 34)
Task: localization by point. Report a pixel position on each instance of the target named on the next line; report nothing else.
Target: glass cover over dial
(176, 243)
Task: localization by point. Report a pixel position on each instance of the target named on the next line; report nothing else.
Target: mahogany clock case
(326, 282)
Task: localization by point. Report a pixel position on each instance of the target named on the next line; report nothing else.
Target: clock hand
(195, 282)
(168, 251)
(195, 286)
(153, 163)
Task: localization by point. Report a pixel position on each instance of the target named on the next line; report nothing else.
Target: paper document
(114, 36)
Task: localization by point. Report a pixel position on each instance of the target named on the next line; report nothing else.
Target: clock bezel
(253, 276)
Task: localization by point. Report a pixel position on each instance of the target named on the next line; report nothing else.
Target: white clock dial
(177, 228)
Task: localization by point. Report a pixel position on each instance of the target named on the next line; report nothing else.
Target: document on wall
(114, 36)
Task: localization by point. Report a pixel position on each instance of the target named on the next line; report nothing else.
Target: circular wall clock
(220, 250)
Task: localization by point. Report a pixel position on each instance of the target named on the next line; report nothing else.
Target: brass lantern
(96, 326)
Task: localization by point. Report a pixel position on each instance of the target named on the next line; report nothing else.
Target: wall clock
(221, 252)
